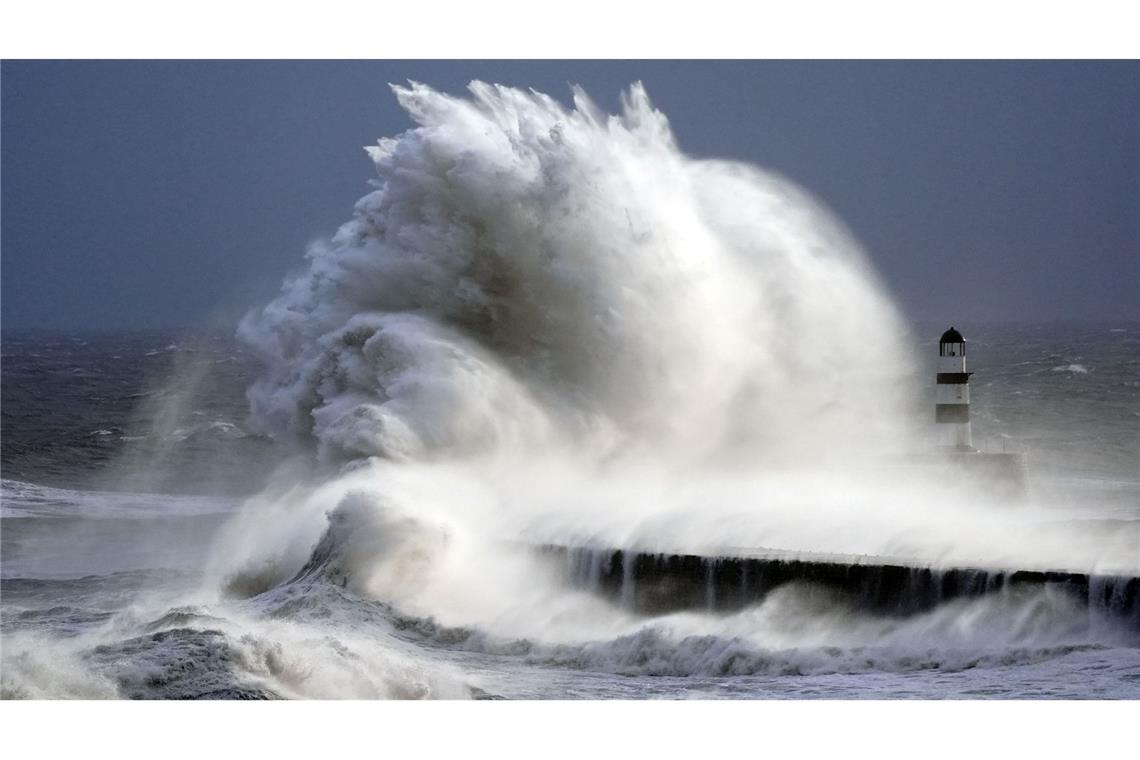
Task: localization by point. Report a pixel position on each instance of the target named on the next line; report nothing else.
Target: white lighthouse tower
(952, 400)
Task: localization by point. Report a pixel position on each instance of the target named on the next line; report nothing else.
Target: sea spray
(528, 276)
(549, 325)
(533, 297)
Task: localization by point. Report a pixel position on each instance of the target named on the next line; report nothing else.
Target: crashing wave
(528, 275)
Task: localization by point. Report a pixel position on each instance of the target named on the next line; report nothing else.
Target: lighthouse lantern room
(952, 400)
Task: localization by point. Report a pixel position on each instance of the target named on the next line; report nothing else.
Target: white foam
(530, 276)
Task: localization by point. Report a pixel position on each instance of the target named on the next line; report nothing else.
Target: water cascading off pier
(660, 583)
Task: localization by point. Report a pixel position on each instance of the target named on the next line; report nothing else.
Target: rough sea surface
(128, 456)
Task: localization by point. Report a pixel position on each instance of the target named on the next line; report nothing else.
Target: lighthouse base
(1001, 473)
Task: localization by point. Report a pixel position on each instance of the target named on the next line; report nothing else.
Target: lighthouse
(952, 401)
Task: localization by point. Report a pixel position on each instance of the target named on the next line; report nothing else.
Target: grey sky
(165, 193)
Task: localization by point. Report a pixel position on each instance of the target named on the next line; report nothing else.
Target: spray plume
(528, 276)
(548, 324)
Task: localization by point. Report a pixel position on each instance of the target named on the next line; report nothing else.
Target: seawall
(659, 583)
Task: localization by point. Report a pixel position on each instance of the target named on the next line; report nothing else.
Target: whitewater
(548, 325)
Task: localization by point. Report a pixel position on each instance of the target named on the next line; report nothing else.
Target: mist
(548, 326)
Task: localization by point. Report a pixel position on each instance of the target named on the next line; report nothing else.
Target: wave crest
(529, 275)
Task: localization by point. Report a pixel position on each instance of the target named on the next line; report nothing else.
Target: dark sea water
(124, 455)
(90, 408)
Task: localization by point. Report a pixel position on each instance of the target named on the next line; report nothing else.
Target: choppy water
(547, 325)
(126, 459)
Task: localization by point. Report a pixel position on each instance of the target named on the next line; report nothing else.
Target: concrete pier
(659, 583)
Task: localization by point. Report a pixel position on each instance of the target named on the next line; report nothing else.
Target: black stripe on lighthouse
(954, 378)
(951, 412)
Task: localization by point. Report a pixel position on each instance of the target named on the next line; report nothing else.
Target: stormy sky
(176, 194)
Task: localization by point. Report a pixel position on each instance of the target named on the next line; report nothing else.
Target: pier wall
(659, 583)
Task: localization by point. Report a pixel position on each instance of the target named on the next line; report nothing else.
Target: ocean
(127, 454)
(544, 333)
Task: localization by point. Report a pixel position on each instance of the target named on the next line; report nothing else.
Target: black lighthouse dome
(951, 336)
